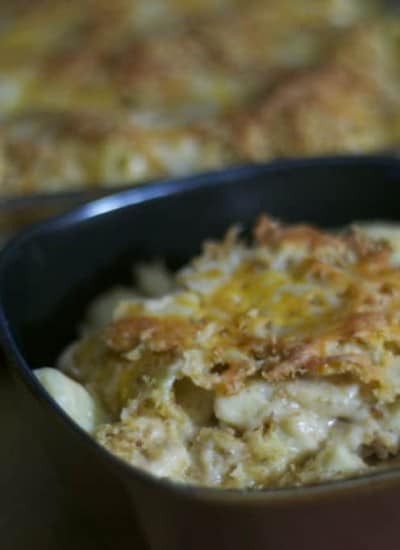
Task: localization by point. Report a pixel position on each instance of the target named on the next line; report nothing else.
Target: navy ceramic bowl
(50, 272)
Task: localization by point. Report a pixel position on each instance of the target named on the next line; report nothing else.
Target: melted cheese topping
(100, 94)
(267, 364)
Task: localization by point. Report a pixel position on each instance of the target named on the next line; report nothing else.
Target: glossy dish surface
(99, 94)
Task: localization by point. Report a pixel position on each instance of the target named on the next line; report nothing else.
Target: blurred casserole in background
(94, 93)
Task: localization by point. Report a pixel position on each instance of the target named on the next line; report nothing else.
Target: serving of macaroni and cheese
(268, 363)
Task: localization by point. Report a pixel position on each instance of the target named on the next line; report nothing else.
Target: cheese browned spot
(159, 334)
(321, 110)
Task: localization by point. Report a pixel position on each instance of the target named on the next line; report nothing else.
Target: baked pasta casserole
(110, 93)
(269, 363)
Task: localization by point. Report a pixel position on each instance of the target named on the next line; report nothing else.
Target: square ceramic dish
(48, 275)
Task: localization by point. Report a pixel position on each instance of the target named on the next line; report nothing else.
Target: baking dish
(96, 95)
(50, 272)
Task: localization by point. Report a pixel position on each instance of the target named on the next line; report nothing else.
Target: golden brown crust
(160, 335)
(370, 289)
(321, 110)
(299, 358)
(374, 255)
(46, 151)
(269, 232)
(300, 302)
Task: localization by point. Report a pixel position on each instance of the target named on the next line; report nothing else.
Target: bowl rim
(143, 194)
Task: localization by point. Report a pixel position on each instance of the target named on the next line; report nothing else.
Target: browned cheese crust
(343, 320)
